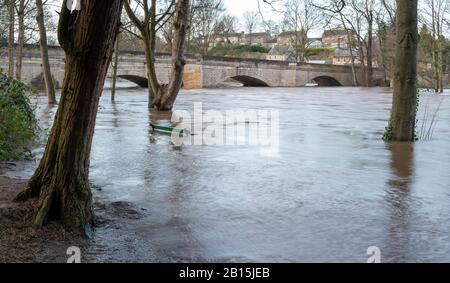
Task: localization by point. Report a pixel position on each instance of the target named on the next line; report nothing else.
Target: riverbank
(111, 242)
(19, 241)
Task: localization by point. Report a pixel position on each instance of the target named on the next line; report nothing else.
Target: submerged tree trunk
(61, 180)
(20, 39)
(166, 99)
(49, 84)
(10, 5)
(369, 73)
(115, 67)
(403, 114)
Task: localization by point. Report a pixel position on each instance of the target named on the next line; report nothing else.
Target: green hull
(168, 130)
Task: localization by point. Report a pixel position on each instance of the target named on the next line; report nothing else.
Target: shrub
(18, 124)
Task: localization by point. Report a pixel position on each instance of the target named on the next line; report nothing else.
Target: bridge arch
(246, 80)
(140, 81)
(326, 81)
(249, 81)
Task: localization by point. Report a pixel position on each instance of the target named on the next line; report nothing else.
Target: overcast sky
(236, 8)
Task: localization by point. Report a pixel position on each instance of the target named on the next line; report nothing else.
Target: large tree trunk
(10, 5)
(61, 180)
(49, 84)
(20, 39)
(165, 100)
(403, 114)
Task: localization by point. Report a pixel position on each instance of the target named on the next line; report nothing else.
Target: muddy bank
(21, 243)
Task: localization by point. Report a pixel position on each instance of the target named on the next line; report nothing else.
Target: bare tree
(20, 9)
(48, 78)
(148, 20)
(365, 8)
(435, 16)
(115, 66)
(10, 4)
(204, 20)
(225, 26)
(251, 22)
(300, 18)
(180, 30)
(335, 11)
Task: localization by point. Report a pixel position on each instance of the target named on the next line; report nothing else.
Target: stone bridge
(202, 71)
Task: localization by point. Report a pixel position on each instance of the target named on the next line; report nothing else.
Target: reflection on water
(398, 197)
(334, 189)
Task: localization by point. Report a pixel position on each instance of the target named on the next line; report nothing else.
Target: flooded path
(333, 190)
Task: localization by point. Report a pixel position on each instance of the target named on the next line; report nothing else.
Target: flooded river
(333, 189)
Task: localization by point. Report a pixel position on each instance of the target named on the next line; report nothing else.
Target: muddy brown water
(333, 190)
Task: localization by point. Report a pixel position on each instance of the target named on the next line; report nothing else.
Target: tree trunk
(434, 45)
(153, 85)
(167, 98)
(11, 38)
(20, 39)
(61, 180)
(49, 84)
(403, 114)
(350, 46)
(369, 73)
(115, 67)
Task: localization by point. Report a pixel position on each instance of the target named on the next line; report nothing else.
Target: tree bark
(61, 181)
(165, 100)
(153, 85)
(403, 114)
(48, 78)
(20, 39)
(11, 5)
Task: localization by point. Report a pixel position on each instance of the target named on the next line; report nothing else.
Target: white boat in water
(311, 85)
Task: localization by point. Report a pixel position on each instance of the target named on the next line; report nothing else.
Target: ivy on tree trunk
(404, 107)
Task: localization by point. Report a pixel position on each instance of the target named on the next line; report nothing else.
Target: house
(289, 37)
(343, 56)
(282, 52)
(228, 38)
(271, 43)
(258, 38)
(336, 38)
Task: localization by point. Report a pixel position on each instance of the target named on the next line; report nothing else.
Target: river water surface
(333, 190)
